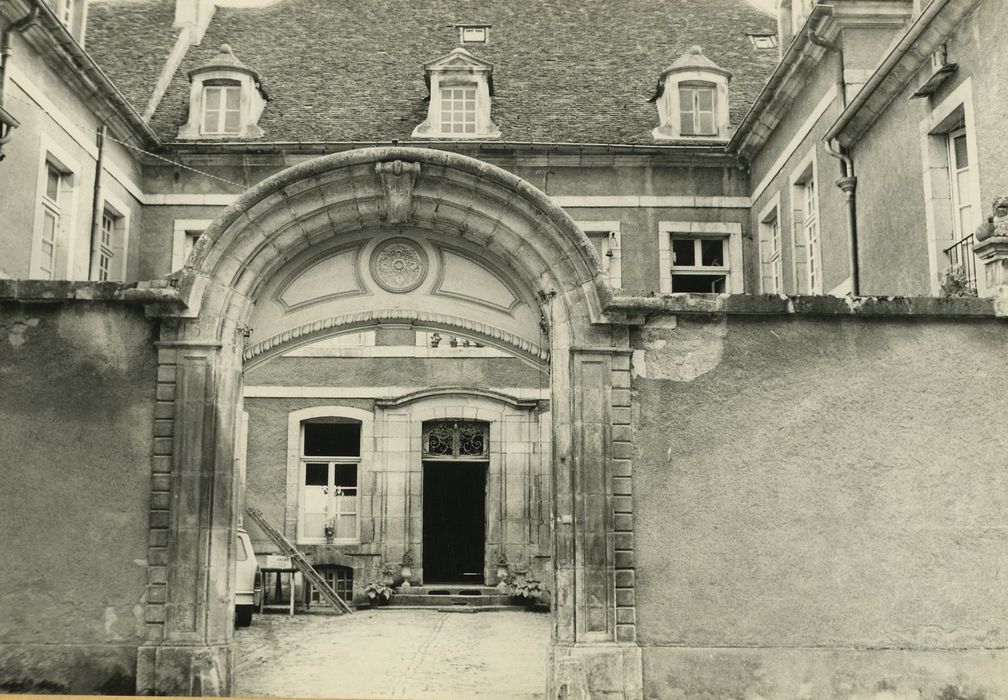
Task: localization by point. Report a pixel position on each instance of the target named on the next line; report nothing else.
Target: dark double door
(454, 522)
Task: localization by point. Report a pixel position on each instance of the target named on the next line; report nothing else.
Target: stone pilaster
(598, 657)
(189, 648)
(992, 253)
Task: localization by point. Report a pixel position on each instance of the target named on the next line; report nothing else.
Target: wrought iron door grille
(455, 439)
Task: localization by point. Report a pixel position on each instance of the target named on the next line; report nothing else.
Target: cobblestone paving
(422, 654)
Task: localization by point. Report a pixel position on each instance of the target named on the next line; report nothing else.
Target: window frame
(612, 242)
(446, 106)
(225, 87)
(805, 220)
(331, 462)
(955, 191)
(698, 231)
(63, 210)
(296, 459)
(118, 245)
(694, 87)
(771, 266)
(183, 229)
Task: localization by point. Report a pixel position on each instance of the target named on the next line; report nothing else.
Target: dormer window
(473, 33)
(222, 108)
(692, 99)
(225, 101)
(461, 88)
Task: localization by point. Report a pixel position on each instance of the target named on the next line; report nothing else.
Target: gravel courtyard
(396, 653)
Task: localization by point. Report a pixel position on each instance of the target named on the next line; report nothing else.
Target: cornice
(72, 63)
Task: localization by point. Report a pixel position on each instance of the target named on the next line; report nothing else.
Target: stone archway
(190, 648)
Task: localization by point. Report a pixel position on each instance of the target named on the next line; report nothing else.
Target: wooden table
(279, 578)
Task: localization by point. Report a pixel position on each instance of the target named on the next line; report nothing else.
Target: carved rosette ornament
(398, 265)
(398, 179)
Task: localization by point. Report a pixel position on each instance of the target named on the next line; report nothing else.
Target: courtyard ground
(396, 653)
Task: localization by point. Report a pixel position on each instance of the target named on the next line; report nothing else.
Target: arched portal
(399, 210)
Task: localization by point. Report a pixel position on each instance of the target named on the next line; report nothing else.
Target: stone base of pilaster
(596, 672)
(185, 669)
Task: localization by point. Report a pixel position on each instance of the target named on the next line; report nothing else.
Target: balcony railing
(962, 262)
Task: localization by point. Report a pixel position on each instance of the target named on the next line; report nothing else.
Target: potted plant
(330, 530)
(529, 591)
(378, 593)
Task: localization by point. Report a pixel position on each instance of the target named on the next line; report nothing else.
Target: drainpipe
(96, 206)
(9, 123)
(848, 181)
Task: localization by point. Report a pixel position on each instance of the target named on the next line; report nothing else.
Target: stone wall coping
(158, 292)
(799, 305)
(163, 293)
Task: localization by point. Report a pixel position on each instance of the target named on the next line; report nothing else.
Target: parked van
(246, 580)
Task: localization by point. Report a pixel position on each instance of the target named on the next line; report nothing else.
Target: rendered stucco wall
(77, 410)
(821, 507)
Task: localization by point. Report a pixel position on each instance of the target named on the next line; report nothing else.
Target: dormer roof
(458, 59)
(225, 60)
(694, 60)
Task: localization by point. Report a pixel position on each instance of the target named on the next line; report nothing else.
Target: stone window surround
(478, 73)
(612, 266)
(181, 227)
(669, 126)
(251, 105)
(770, 213)
(700, 229)
(120, 242)
(943, 117)
(51, 153)
(295, 462)
(805, 169)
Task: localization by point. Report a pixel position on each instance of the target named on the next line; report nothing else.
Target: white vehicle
(246, 576)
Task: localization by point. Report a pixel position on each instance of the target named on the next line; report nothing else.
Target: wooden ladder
(299, 561)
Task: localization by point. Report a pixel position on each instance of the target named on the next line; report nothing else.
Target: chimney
(785, 24)
(194, 16)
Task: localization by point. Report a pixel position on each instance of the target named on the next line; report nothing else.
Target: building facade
(431, 300)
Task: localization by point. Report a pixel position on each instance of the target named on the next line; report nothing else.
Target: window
(605, 237)
(458, 109)
(764, 41)
(697, 109)
(187, 232)
(456, 439)
(771, 264)
(960, 183)
(105, 241)
(339, 578)
(473, 34)
(52, 215)
(699, 265)
(810, 228)
(330, 457)
(222, 109)
(66, 12)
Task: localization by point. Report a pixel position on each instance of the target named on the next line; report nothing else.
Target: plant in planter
(529, 591)
(330, 530)
(378, 593)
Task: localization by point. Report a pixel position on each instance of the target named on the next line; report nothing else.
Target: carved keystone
(398, 179)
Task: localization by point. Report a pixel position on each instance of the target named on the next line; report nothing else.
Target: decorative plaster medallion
(398, 265)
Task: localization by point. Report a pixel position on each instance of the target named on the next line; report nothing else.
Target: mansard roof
(576, 72)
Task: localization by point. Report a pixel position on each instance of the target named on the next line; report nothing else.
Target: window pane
(52, 183)
(961, 152)
(212, 98)
(712, 253)
(232, 123)
(683, 252)
(685, 100)
(707, 123)
(211, 121)
(232, 96)
(48, 226)
(698, 284)
(332, 439)
(705, 99)
(316, 475)
(346, 527)
(346, 475)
